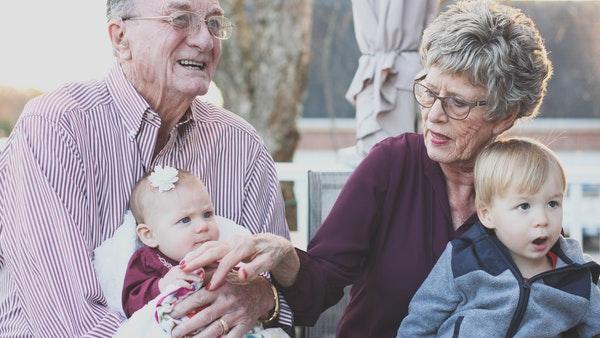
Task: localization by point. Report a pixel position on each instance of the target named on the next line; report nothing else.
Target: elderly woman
(485, 67)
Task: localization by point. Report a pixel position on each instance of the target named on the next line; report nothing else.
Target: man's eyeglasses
(455, 108)
(219, 26)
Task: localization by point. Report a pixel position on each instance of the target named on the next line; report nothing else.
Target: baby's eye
(185, 220)
(208, 214)
(554, 204)
(524, 206)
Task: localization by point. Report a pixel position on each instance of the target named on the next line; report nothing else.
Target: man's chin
(194, 89)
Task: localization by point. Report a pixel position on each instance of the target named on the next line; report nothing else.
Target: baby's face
(528, 224)
(182, 219)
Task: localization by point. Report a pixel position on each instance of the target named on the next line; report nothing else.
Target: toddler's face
(182, 219)
(528, 225)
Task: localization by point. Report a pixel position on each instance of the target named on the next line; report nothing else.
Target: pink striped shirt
(65, 179)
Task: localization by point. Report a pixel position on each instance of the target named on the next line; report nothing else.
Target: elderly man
(75, 154)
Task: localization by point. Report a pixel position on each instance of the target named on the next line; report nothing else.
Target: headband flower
(163, 178)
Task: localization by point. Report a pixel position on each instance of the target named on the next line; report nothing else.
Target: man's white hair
(117, 9)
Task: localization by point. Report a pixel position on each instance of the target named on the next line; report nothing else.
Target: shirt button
(149, 116)
(131, 134)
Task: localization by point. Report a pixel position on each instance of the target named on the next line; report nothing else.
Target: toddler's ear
(484, 214)
(144, 232)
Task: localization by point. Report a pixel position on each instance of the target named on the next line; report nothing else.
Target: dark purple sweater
(141, 278)
(385, 232)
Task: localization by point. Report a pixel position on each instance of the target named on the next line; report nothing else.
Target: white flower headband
(163, 178)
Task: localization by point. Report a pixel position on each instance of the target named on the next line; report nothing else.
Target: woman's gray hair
(117, 9)
(497, 47)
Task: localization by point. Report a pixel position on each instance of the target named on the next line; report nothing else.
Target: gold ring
(224, 326)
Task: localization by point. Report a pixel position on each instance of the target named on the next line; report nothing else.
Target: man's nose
(199, 36)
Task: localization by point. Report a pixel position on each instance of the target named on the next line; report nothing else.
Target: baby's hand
(177, 277)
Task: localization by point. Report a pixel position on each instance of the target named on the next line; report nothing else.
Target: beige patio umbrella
(388, 33)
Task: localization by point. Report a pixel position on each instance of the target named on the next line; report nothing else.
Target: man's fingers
(238, 331)
(198, 299)
(213, 330)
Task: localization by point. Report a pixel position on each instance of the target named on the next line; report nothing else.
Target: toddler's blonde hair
(514, 162)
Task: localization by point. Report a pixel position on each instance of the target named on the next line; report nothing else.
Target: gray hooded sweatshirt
(476, 290)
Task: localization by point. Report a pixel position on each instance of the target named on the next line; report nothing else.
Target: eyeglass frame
(169, 19)
(443, 99)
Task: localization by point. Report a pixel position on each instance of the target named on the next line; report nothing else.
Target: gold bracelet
(276, 309)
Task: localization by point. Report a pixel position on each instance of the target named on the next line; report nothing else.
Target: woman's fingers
(253, 269)
(233, 258)
(207, 254)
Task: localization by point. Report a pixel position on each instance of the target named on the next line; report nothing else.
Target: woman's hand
(257, 254)
(237, 305)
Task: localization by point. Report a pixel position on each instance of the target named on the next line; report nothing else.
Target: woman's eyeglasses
(455, 108)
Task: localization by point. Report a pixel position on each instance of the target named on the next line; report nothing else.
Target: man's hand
(238, 305)
(177, 277)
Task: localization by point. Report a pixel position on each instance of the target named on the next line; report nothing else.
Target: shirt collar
(187, 117)
(130, 104)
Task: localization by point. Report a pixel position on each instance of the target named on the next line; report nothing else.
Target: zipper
(525, 290)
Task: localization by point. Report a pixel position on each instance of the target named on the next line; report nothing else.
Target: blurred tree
(263, 73)
(264, 67)
(12, 101)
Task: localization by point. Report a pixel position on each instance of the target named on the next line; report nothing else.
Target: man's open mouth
(191, 64)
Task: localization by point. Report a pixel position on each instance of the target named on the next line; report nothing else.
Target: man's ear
(485, 216)
(505, 124)
(120, 45)
(145, 234)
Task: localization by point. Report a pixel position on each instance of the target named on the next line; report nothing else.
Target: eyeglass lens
(218, 26)
(452, 106)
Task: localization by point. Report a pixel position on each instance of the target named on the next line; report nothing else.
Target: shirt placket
(146, 139)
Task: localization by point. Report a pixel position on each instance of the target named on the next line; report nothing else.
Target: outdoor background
(288, 66)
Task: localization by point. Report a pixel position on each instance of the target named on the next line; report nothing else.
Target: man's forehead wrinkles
(209, 6)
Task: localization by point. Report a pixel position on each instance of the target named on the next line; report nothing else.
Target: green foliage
(5, 128)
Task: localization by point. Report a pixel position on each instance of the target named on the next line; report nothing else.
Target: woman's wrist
(286, 271)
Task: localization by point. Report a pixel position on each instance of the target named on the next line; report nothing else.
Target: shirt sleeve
(264, 210)
(141, 283)
(590, 324)
(435, 301)
(337, 254)
(45, 223)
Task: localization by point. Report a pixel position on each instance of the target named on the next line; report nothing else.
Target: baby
(174, 215)
(512, 274)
